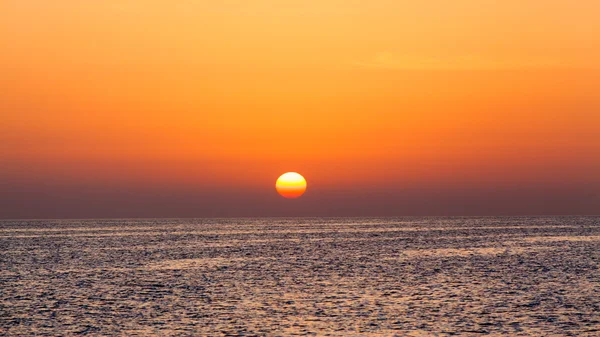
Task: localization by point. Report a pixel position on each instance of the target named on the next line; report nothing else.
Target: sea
(403, 276)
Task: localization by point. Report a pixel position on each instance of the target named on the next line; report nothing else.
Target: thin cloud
(397, 61)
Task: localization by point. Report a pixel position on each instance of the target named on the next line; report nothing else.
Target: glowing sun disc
(291, 185)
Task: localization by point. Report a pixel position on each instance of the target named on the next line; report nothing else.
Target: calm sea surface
(534, 276)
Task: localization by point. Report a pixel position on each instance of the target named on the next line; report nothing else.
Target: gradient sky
(162, 108)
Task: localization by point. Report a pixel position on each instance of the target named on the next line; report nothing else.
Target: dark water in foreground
(301, 277)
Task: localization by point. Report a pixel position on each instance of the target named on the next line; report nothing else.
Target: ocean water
(524, 276)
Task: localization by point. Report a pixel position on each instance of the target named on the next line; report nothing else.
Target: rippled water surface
(301, 277)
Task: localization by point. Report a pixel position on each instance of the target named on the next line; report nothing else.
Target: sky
(162, 108)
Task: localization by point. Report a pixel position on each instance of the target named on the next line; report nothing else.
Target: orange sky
(202, 98)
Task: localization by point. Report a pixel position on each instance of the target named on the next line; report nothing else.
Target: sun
(291, 185)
